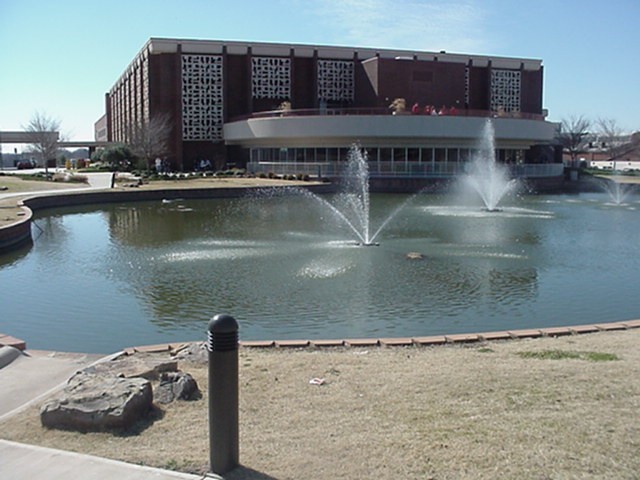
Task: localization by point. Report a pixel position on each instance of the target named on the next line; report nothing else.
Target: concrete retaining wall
(17, 234)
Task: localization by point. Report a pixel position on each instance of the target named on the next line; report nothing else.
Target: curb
(56, 388)
(431, 341)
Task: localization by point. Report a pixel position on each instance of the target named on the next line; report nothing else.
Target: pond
(102, 278)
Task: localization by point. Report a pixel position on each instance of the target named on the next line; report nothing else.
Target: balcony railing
(306, 112)
(400, 169)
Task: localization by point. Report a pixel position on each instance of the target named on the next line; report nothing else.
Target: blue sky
(61, 57)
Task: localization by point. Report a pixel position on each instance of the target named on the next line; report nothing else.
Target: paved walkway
(97, 181)
(35, 374)
(28, 462)
(29, 378)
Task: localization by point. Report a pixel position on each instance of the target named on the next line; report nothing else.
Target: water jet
(485, 176)
(618, 192)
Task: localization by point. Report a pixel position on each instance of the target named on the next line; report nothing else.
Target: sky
(59, 58)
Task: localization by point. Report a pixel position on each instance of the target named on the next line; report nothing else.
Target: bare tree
(613, 137)
(43, 132)
(150, 140)
(571, 134)
(635, 142)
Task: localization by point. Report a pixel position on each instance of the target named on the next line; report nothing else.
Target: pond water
(101, 278)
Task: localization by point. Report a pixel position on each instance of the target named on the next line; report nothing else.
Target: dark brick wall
(433, 83)
(531, 91)
(304, 83)
(165, 97)
(237, 86)
(479, 88)
(366, 78)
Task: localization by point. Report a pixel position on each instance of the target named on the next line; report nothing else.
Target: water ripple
(320, 269)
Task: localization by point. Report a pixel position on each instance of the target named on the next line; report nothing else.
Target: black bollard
(223, 394)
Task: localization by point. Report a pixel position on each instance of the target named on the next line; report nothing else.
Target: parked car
(24, 164)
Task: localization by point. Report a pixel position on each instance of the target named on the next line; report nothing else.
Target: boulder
(195, 353)
(135, 366)
(176, 386)
(98, 402)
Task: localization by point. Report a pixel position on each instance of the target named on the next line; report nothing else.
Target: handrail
(339, 111)
(386, 169)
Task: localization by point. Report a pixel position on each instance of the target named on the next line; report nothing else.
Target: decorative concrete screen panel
(271, 77)
(467, 86)
(335, 80)
(202, 102)
(505, 90)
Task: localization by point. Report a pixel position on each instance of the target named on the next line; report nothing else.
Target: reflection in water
(155, 223)
(271, 258)
(283, 264)
(141, 273)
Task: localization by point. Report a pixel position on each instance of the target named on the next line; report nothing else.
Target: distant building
(618, 153)
(288, 108)
(100, 130)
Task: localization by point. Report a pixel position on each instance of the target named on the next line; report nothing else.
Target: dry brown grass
(453, 412)
(216, 182)
(17, 184)
(10, 212)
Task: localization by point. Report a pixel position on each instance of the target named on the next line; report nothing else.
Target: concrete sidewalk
(96, 181)
(28, 379)
(35, 374)
(28, 462)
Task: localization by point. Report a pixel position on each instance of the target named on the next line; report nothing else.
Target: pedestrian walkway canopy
(28, 137)
(25, 137)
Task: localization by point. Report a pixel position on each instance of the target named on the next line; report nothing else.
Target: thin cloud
(455, 26)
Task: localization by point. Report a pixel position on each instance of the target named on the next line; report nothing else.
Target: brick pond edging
(430, 341)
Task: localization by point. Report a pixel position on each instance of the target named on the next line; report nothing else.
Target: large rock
(96, 402)
(176, 386)
(136, 366)
(194, 353)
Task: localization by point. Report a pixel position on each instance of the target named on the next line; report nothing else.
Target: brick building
(298, 108)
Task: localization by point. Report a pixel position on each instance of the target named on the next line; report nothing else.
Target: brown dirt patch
(453, 412)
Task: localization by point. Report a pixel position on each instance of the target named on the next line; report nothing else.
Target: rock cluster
(176, 386)
(117, 394)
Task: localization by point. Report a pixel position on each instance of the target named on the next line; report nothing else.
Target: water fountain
(485, 176)
(287, 267)
(352, 204)
(287, 270)
(618, 192)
